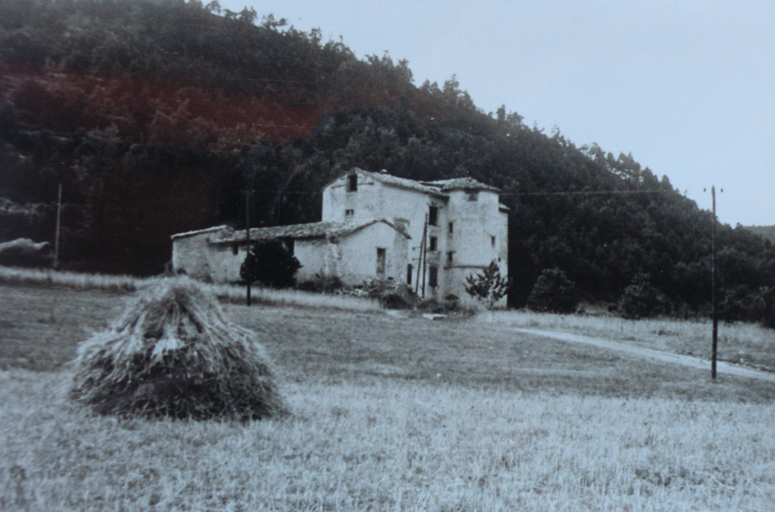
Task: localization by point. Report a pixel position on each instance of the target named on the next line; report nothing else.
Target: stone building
(430, 235)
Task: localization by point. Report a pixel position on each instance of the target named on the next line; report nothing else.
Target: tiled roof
(300, 231)
(198, 232)
(460, 183)
(389, 179)
(437, 188)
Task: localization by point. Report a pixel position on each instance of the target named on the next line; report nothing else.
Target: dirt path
(688, 361)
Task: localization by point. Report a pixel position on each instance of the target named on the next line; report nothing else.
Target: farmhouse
(430, 235)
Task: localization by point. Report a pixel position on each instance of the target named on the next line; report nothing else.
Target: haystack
(173, 353)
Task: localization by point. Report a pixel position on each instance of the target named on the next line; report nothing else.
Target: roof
(198, 232)
(461, 183)
(389, 179)
(437, 188)
(300, 231)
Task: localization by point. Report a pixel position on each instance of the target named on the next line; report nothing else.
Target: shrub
(768, 314)
(23, 252)
(488, 286)
(390, 294)
(270, 263)
(553, 292)
(322, 283)
(642, 299)
(172, 353)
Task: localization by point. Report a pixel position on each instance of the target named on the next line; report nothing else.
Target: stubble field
(389, 413)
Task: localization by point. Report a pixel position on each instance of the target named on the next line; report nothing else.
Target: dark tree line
(157, 114)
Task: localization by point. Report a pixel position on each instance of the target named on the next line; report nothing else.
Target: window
(450, 257)
(451, 229)
(381, 257)
(235, 248)
(433, 276)
(352, 183)
(433, 215)
(409, 274)
(434, 244)
(349, 213)
(492, 240)
(473, 196)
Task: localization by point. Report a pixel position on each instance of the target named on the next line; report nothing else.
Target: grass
(391, 445)
(387, 414)
(740, 343)
(225, 292)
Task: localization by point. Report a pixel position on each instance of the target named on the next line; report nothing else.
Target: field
(391, 413)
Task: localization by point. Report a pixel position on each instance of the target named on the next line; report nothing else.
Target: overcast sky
(687, 87)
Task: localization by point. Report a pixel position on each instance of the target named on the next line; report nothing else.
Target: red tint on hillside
(148, 111)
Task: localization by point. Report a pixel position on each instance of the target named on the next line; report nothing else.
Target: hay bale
(173, 353)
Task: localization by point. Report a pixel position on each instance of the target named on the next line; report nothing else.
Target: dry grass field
(388, 413)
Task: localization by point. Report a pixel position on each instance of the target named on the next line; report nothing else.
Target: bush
(768, 314)
(23, 252)
(172, 353)
(322, 283)
(554, 293)
(390, 294)
(488, 286)
(642, 299)
(269, 263)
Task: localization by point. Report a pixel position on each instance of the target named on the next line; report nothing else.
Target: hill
(156, 114)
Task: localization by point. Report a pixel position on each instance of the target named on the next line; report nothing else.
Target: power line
(585, 192)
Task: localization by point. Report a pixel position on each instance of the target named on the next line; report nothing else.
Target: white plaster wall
(354, 258)
(317, 256)
(402, 206)
(202, 260)
(475, 223)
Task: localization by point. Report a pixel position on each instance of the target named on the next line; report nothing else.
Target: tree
(642, 299)
(270, 263)
(488, 286)
(554, 292)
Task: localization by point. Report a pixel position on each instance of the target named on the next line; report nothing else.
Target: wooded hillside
(154, 114)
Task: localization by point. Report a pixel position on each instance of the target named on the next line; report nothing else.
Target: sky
(686, 87)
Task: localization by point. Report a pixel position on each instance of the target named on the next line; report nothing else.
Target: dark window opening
(451, 228)
(433, 215)
(434, 244)
(409, 274)
(235, 249)
(450, 256)
(352, 183)
(433, 276)
(492, 241)
(473, 196)
(349, 213)
(381, 257)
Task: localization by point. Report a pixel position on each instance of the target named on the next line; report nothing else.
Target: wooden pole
(247, 241)
(420, 260)
(424, 253)
(714, 295)
(59, 222)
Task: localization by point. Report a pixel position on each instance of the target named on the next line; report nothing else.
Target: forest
(155, 116)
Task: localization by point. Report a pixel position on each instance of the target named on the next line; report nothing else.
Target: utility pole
(424, 253)
(248, 193)
(714, 293)
(59, 222)
(252, 165)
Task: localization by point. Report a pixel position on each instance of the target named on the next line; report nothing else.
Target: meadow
(389, 412)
